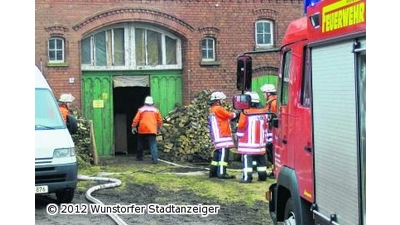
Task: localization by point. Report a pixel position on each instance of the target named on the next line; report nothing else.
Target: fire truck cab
(320, 133)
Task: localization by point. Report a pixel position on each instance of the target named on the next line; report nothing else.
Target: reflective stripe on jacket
(251, 131)
(149, 120)
(220, 128)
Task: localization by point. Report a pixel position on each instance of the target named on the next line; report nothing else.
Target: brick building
(110, 54)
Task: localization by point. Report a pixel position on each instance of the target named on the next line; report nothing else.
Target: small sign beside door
(98, 104)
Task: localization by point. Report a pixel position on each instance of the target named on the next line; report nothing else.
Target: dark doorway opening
(127, 100)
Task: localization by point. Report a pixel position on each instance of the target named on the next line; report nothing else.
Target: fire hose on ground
(113, 183)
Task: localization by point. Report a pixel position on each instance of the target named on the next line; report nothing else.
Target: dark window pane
(52, 55)
(170, 48)
(51, 44)
(154, 48)
(140, 47)
(59, 44)
(119, 51)
(85, 49)
(59, 55)
(100, 46)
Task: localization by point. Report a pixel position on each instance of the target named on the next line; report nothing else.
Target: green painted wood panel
(98, 106)
(166, 90)
(257, 82)
(165, 87)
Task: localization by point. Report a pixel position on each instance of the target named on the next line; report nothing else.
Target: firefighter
(64, 104)
(221, 135)
(269, 92)
(251, 133)
(147, 123)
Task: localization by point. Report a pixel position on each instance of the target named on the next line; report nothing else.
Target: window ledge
(64, 64)
(264, 48)
(210, 63)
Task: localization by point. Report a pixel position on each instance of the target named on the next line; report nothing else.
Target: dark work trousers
(151, 138)
(219, 162)
(270, 153)
(261, 166)
(248, 162)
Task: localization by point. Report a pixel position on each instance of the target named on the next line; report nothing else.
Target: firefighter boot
(224, 174)
(262, 175)
(213, 171)
(247, 175)
(214, 165)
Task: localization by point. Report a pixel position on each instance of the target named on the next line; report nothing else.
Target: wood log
(185, 131)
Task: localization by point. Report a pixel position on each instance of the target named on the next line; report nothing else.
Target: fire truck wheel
(289, 213)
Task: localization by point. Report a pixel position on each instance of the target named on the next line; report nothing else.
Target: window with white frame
(56, 50)
(208, 49)
(131, 46)
(264, 33)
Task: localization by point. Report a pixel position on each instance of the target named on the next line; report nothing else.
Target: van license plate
(41, 189)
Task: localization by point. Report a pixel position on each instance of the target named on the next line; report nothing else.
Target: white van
(56, 167)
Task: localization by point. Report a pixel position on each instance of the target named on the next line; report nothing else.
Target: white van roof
(40, 81)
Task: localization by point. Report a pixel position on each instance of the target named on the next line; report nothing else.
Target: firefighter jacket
(252, 131)
(270, 105)
(219, 125)
(149, 120)
(64, 111)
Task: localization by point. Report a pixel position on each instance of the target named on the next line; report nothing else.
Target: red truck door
(281, 134)
(303, 152)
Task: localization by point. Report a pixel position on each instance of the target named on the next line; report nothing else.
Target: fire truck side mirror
(241, 101)
(244, 73)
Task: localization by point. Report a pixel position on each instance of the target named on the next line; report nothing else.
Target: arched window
(56, 50)
(264, 33)
(131, 46)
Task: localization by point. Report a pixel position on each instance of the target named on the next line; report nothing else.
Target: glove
(134, 130)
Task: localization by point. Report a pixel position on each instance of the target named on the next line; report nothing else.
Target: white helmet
(255, 98)
(66, 98)
(149, 100)
(268, 88)
(218, 95)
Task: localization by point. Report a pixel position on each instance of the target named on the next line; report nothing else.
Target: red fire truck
(319, 133)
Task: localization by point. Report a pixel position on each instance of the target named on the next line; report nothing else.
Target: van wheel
(290, 217)
(65, 196)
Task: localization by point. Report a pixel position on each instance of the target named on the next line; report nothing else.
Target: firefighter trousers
(219, 163)
(247, 164)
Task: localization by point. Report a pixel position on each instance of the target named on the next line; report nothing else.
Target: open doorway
(127, 100)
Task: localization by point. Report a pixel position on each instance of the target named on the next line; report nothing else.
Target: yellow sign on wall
(98, 104)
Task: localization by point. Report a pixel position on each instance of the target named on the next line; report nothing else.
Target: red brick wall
(231, 22)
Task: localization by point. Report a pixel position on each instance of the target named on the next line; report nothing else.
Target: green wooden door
(98, 107)
(257, 82)
(166, 90)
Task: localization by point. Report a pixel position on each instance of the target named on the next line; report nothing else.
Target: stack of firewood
(185, 134)
(83, 142)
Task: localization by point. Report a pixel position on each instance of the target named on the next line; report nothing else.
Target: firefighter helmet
(268, 88)
(218, 95)
(255, 98)
(67, 98)
(148, 100)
